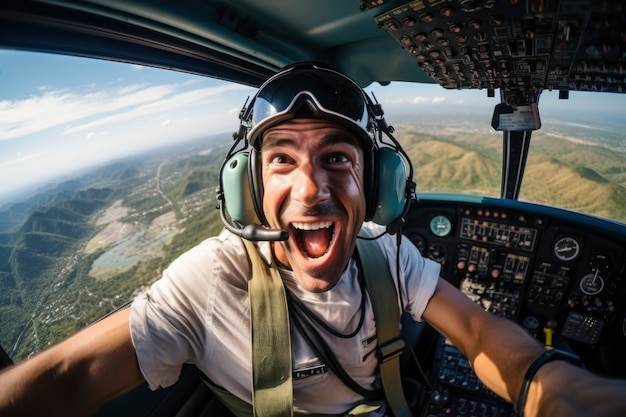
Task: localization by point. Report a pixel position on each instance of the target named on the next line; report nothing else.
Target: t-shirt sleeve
(420, 279)
(167, 322)
(162, 322)
(418, 275)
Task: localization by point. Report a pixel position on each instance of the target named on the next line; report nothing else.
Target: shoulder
(224, 244)
(418, 275)
(389, 243)
(225, 247)
(218, 257)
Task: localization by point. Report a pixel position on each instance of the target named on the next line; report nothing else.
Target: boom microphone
(253, 232)
(257, 233)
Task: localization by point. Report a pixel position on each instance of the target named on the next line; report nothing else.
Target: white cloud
(93, 135)
(414, 100)
(22, 158)
(53, 108)
(164, 103)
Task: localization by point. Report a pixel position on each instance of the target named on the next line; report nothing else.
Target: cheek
(355, 186)
(355, 190)
(274, 189)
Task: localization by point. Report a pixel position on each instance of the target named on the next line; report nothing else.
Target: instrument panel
(525, 263)
(559, 274)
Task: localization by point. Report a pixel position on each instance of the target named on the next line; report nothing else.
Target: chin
(316, 280)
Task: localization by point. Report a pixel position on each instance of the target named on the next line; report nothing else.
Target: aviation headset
(313, 90)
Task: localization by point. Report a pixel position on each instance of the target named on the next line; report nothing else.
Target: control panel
(464, 394)
(493, 259)
(529, 266)
(560, 275)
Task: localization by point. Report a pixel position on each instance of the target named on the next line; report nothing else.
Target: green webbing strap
(272, 394)
(383, 295)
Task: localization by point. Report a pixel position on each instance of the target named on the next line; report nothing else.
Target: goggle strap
(244, 109)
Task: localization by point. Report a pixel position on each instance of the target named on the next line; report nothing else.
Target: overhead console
(559, 274)
(514, 45)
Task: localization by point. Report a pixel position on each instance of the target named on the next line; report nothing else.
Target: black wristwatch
(547, 356)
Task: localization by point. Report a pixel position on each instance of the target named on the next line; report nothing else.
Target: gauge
(592, 284)
(440, 226)
(437, 253)
(531, 323)
(566, 248)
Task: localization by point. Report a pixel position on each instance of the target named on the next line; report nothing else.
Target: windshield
(576, 159)
(109, 172)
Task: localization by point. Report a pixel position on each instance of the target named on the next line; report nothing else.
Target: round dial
(531, 323)
(566, 248)
(592, 284)
(440, 226)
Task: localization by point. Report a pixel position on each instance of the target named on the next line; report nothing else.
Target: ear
(392, 187)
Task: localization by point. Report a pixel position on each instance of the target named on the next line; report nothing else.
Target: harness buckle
(390, 349)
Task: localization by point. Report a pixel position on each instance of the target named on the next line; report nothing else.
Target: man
(310, 139)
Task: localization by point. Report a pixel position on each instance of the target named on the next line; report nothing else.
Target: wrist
(546, 357)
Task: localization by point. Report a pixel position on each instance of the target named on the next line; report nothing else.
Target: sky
(60, 113)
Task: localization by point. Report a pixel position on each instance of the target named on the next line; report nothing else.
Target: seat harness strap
(383, 296)
(272, 394)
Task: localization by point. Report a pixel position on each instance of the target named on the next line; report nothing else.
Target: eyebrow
(341, 137)
(330, 139)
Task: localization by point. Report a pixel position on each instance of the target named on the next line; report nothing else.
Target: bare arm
(75, 377)
(501, 352)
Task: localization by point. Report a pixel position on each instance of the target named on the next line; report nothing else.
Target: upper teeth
(312, 226)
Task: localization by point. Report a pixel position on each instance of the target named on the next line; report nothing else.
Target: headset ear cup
(392, 187)
(255, 185)
(236, 189)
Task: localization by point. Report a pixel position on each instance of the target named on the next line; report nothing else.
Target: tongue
(316, 241)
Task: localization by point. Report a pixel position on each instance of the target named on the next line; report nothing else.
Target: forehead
(299, 129)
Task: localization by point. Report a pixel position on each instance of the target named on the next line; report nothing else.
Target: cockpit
(525, 217)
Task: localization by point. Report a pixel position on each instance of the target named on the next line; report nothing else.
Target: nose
(309, 185)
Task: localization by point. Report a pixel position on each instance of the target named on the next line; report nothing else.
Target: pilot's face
(313, 188)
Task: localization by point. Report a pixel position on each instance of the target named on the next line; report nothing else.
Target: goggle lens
(330, 92)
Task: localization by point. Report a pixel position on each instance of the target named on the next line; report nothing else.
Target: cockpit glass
(576, 160)
(108, 172)
(447, 135)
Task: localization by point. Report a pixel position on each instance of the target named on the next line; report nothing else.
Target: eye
(279, 159)
(338, 158)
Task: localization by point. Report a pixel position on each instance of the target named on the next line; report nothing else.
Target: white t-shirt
(198, 313)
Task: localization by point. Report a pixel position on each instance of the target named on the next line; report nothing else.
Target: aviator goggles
(309, 91)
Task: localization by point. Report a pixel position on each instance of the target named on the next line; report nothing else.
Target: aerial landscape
(78, 249)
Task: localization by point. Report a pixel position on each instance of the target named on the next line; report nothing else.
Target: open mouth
(314, 239)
